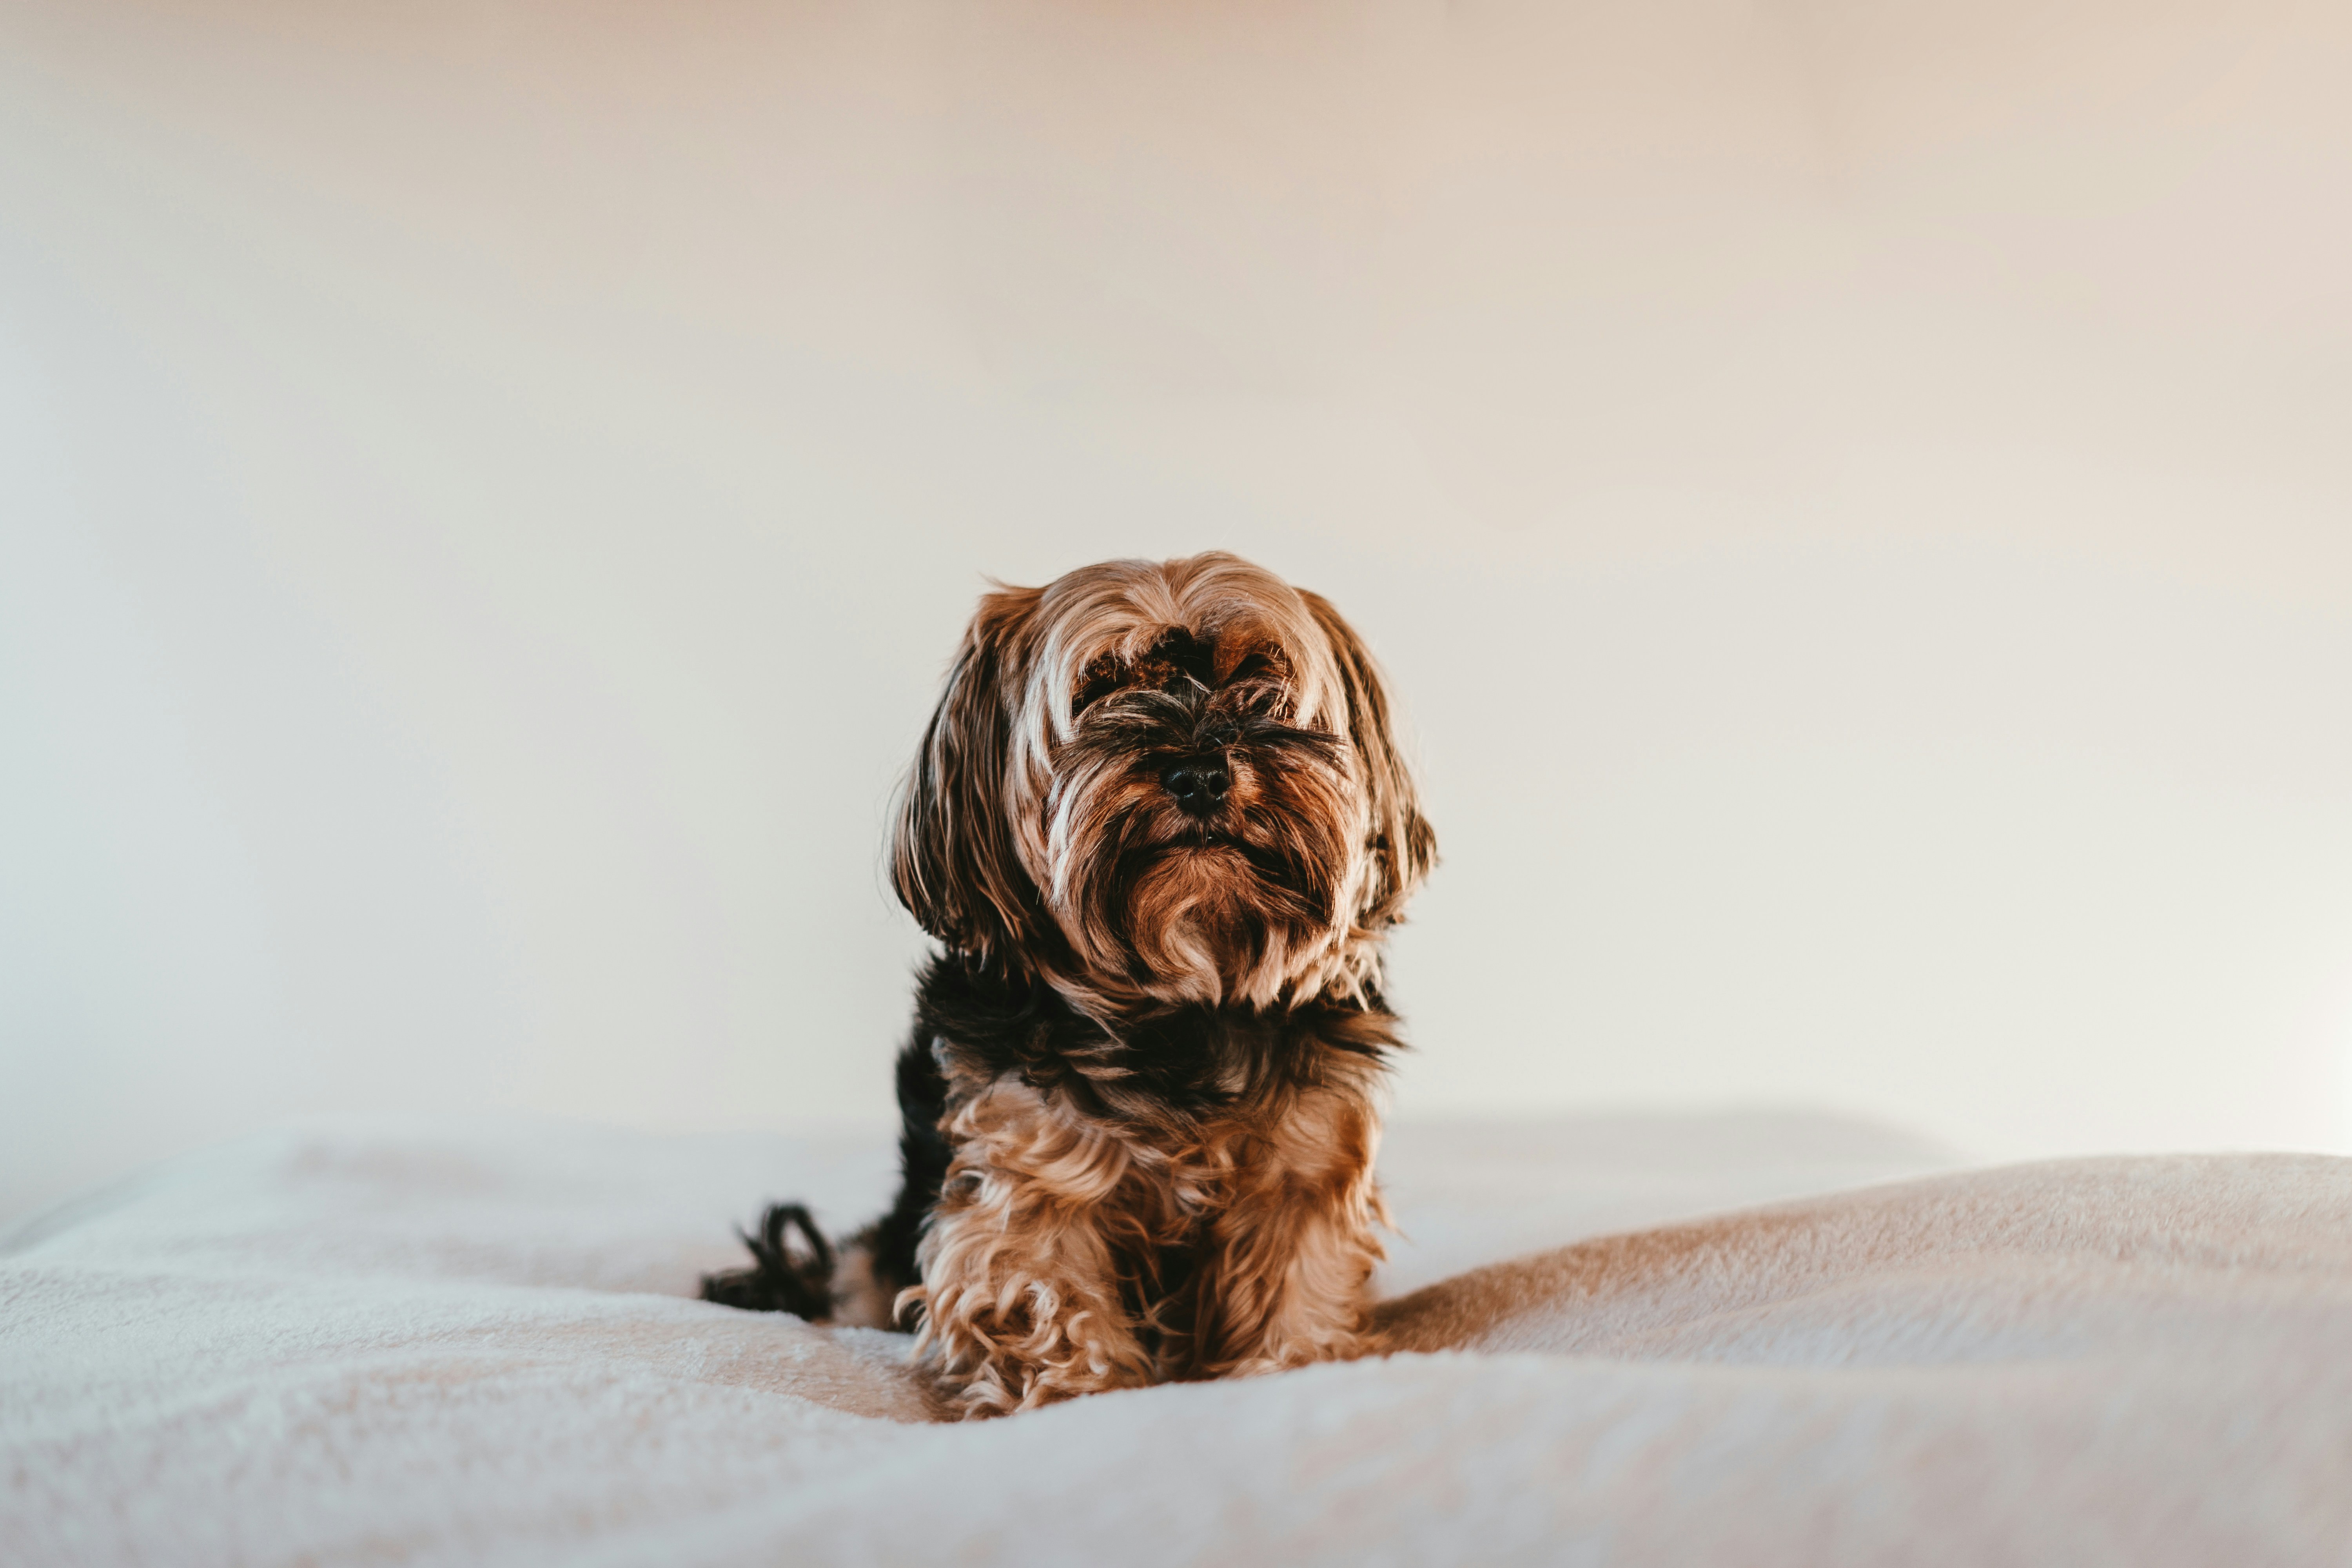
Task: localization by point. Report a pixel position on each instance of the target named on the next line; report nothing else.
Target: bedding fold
(478, 1345)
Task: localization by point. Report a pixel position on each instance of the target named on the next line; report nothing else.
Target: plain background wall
(1856, 500)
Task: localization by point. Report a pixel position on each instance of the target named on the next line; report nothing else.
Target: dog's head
(1154, 783)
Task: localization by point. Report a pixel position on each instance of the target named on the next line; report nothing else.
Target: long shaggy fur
(1160, 827)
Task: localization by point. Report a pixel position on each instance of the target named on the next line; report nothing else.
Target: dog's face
(1159, 783)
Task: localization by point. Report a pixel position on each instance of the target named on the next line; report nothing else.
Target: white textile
(476, 1346)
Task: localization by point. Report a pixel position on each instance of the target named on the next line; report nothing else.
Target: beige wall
(1857, 500)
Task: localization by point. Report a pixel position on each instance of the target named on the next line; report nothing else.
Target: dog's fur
(1140, 1102)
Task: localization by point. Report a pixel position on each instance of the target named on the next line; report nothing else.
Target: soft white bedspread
(342, 1346)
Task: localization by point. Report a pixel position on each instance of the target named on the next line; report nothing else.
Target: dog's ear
(1403, 846)
(953, 862)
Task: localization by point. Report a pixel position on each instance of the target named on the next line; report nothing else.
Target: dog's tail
(784, 1276)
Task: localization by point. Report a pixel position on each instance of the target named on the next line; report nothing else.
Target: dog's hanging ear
(1403, 846)
(953, 862)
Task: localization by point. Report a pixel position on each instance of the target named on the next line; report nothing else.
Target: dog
(1160, 826)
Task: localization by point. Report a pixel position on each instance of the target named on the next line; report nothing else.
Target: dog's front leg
(1020, 1292)
(1287, 1275)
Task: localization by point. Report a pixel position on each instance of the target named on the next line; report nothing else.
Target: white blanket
(476, 1346)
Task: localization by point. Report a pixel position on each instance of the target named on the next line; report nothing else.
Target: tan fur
(1036, 1266)
(859, 1300)
(1021, 1291)
(995, 779)
(1292, 1247)
(1087, 1237)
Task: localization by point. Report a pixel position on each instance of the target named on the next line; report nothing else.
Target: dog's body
(1161, 828)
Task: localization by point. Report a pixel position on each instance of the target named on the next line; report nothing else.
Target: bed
(1740, 1338)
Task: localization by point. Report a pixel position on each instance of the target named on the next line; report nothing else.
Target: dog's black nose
(1199, 786)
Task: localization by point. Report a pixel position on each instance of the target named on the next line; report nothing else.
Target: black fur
(1163, 1067)
(778, 1281)
(923, 1155)
(1156, 1070)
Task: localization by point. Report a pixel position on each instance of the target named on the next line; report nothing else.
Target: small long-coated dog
(1160, 827)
